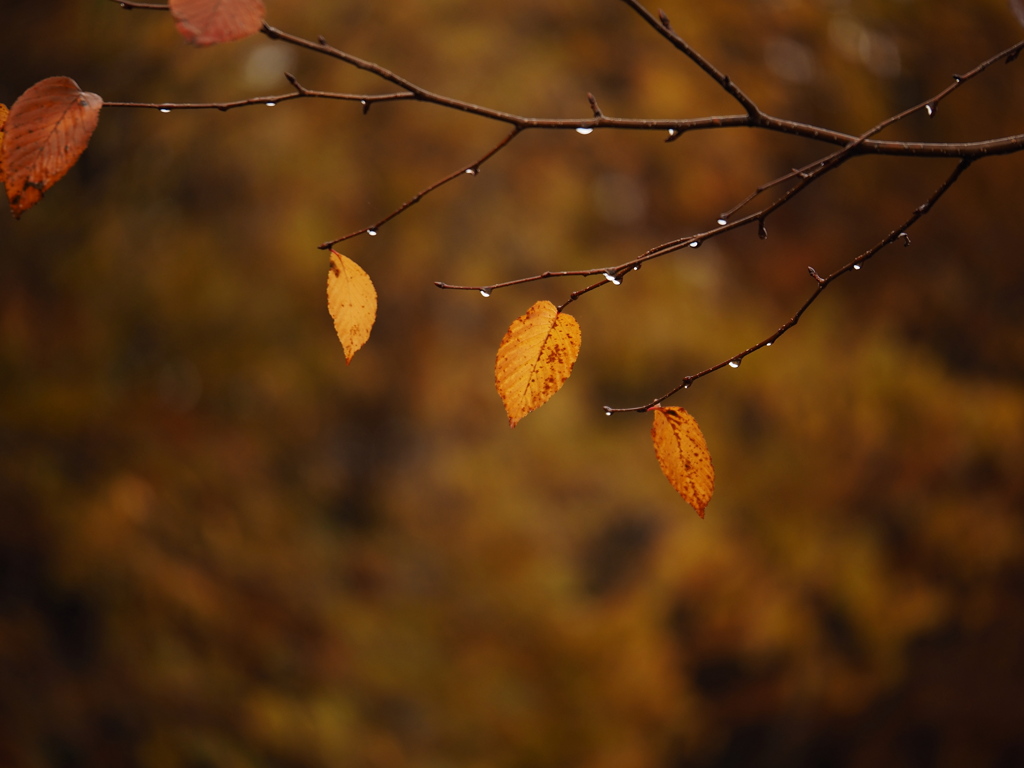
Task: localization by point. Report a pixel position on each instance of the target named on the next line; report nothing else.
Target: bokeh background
(220, 547)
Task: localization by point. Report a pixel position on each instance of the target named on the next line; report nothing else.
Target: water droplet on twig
(723, 221)
(611, 278)
(695, 244)
(371, 232)
(165, 110)
(485, 292)
(735, 363)
(584, 131)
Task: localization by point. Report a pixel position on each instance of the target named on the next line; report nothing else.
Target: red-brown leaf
(47, 130)
(207, 22)
(683, 456)
(4, 111)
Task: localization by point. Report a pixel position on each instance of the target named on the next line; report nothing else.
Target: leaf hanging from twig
(48, 128)
(683, 456)
(352, 302)
(207, 22)
(535, 358)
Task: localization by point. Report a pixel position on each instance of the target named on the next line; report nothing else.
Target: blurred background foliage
(220, 546)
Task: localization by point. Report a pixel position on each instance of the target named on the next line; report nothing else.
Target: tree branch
(848, 146)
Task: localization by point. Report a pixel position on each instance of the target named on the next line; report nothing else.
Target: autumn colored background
(221, 546)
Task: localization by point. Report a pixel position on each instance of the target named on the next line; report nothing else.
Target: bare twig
(467, 170)
(269, 101)
(141, 6)
(822, 283)
(664, 29)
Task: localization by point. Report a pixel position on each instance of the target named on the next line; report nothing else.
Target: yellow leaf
(535, 358)
(683, 456)
(352, 302)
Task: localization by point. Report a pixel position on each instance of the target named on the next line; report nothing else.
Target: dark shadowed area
(221, 547)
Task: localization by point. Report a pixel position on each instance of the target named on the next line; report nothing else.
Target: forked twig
(822, 283)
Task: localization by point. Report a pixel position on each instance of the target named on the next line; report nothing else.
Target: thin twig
(224, 106)
(141, 6)
(662, 26)
(822, 283)
(472, 169)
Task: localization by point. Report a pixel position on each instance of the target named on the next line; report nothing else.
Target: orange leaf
(683, 456)
(352, 302)
(47, 130)
(535, 358)
(206, 22)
